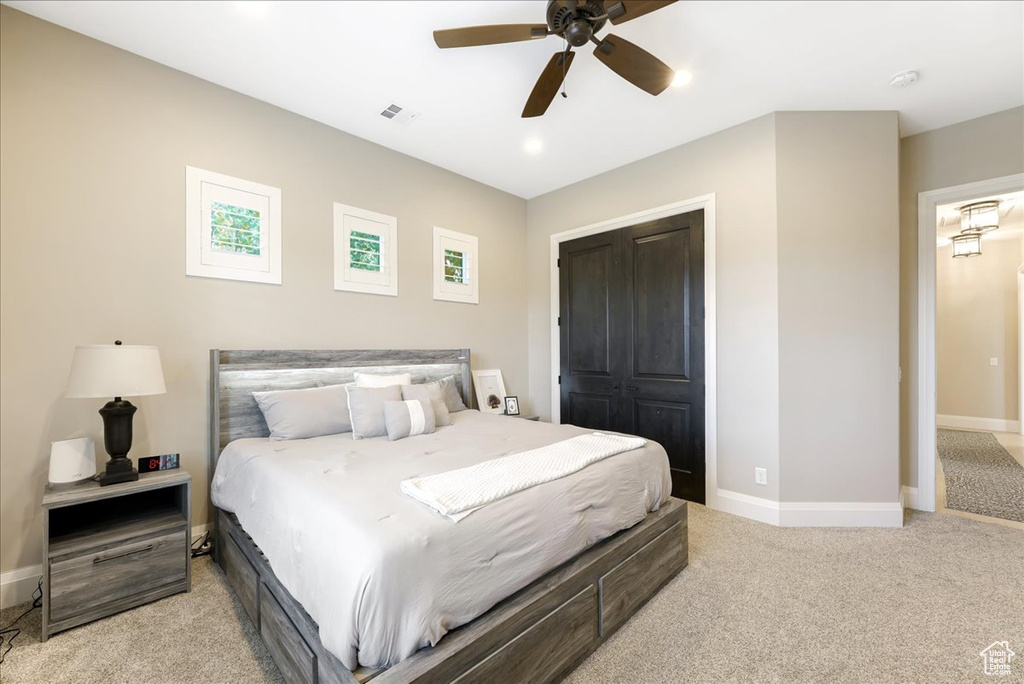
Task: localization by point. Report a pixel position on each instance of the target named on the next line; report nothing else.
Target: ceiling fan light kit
(577, 22)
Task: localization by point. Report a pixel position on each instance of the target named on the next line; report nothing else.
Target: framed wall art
(490, 390)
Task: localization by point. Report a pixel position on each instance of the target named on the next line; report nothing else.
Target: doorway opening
(979, 254)
(935, 216)
(706, 204)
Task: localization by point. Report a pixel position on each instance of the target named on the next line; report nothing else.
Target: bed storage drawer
(546, 651)
(631, 583)
(290, 651)
(241, 576)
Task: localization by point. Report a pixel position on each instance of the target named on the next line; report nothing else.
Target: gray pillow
(441, 415)
(366, 409)
(431, 392)
(302, 413)
(452, 398)
(408, 418)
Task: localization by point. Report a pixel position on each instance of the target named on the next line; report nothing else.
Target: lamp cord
(9, 633)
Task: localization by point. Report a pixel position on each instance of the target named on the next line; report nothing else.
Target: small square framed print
(512, 405)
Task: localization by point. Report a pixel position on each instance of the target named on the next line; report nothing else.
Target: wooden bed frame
(539, 634)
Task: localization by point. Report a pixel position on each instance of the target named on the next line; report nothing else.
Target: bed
(560, 608)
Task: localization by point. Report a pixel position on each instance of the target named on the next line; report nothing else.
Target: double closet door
(631, 325)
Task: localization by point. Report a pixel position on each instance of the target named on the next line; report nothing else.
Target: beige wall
(980, 149)
(976, 320)
(838, 215)
(93, 145)
(738, 165)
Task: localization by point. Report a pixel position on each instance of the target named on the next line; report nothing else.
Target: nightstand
(527, 416)
(108, 549)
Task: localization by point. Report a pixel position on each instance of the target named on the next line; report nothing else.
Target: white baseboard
(840, 514)
(908, 497)
(973, 423)
(746, 506)
(813, 513)
(16, 586)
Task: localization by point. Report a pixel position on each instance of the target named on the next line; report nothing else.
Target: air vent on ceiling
(396, 113)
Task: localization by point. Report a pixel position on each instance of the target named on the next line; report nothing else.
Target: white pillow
(367, 380)
(302, 413)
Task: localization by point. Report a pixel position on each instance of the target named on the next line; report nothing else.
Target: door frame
(707, 203)
(927, 208)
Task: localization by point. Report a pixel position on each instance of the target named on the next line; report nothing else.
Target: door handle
(631, 388)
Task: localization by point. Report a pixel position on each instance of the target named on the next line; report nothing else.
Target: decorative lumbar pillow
(366, 409)
(408, 418)
(367, 380)
(452, 398)
(441, 415)
(302, 413)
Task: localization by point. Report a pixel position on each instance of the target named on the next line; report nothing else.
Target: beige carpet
(756, 604)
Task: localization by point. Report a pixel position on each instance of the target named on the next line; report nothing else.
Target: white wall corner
(16, 586)
(974, 423)
(908, 497)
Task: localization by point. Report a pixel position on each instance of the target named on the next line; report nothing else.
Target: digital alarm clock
(151, 464)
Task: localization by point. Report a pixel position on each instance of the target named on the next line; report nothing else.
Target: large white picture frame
(456, 267)
(365, 251)
(490, 390)
(232, 228)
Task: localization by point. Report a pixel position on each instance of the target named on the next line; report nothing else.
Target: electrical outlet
(993, 361)
(760, 476)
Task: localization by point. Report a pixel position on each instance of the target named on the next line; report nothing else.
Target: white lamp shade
(109, 370)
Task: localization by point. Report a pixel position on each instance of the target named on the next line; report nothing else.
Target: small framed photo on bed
(490, 390)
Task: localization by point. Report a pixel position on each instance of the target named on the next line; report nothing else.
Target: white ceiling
(340, 63)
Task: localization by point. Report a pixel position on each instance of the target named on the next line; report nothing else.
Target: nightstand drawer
(116, 574)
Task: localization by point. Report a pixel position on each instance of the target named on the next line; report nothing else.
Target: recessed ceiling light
(682, 78)
(903, 79)
(533, 146)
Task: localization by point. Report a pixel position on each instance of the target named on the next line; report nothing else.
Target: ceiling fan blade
(621, 11)
(547, 85)
(488, 35)
(633, 63)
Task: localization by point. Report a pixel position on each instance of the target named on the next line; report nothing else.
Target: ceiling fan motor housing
(574, 20)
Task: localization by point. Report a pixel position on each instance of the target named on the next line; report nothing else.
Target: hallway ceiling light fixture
(966, 245)
(979, 217)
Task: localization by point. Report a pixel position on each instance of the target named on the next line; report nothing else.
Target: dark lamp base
(108, 478)
(117, 438)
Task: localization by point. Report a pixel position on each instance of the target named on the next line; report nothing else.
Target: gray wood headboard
(236, 374)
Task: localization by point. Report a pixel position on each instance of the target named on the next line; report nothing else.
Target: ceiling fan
(577, 22)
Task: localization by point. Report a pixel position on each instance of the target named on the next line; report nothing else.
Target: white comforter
(382, 574)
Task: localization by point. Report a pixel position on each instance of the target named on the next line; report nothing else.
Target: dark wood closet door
(647, 327)
(590, 274)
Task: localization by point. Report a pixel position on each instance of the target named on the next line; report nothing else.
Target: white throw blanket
(457, 493)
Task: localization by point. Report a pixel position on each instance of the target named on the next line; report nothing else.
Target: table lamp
(116, 370)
